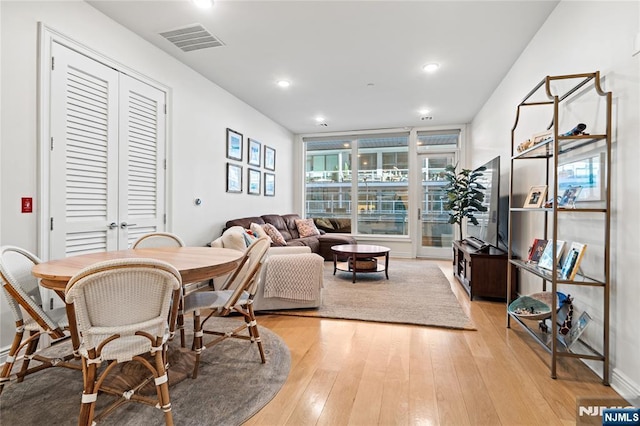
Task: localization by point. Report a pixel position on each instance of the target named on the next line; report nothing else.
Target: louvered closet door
(107, 160)
(141, 192)
(84, 155)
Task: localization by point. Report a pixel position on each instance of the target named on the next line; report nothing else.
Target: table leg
(73, 327)
(353, 260)
(386, 264)
(335, 262)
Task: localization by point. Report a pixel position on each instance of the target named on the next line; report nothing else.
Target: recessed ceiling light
(319, 119)
(432, 67)
(346, 145)
(424, 111)
(203, 4)
(283, 83)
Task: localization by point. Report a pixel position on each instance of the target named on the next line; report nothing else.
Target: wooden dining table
(195, 264)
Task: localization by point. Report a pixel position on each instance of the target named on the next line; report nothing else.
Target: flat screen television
(492, 228)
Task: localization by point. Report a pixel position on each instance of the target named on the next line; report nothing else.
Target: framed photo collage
(258, 156)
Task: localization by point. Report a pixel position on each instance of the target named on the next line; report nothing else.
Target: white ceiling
(356, 63)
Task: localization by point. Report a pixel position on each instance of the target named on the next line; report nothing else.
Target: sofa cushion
(275, 235)
(290, 222)
(324, 223)
(281, 225)
(306, 228)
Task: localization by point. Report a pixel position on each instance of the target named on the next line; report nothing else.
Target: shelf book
(546, 259)
(572, 261)
(536, 250)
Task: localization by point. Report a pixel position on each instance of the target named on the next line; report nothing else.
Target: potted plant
(464, 194)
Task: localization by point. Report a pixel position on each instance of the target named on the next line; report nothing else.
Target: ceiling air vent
(192, 37)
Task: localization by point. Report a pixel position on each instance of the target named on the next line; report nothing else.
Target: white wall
(200, 112)
(585, 37)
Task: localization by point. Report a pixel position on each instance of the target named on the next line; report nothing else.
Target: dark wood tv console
(482, 273)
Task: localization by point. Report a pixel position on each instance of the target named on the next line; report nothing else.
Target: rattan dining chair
(22, 293)
(122, 306)
(158, 239)
(235, 295)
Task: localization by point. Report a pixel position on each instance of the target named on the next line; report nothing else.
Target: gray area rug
(232, 386)
(417, 292)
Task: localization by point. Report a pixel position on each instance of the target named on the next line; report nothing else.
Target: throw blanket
(296, 280)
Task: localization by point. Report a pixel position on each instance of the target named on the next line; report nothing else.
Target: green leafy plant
(464, 194)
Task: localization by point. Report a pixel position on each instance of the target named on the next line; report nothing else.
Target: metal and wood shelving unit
(549, 153)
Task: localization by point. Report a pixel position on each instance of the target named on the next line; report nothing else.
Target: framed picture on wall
(269, 158)
(269, 184)
(254, 182)
(234, 145)
(254, 152)
(234, 178)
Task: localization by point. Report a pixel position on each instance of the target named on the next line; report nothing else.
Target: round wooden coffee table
(360, 258)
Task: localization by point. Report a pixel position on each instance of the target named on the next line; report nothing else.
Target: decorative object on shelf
(537, 306)
(568, 199)
(546, 260)
(253, 187)
(572, 260)
(536, 197)
(526, 307)
(578, 130)
(254, 152)
(525, 145)
(536, 250)
(269, 184)
(269, 158)
(541, 137)
(576, 330)
(234, 145)
(464, 195)
(586, 170)
(234, 178)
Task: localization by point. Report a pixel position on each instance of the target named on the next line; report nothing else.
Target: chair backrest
(123, 296)
(21, 288)
(244, 277)
(158, 239)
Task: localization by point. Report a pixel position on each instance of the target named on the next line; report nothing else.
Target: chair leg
(254, 332)
(31, 348)
(197, 342)
(11, 356)
(88, 396)
(163, 388)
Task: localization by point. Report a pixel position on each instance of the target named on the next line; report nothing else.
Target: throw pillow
(274, 234)
(258, 231)
(306, 228)
(325, 223)
(249, 238)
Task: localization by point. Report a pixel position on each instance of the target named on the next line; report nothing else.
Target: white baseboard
(625, 387)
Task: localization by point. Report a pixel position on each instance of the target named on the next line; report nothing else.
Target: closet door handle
(112, 225)
(124, 225)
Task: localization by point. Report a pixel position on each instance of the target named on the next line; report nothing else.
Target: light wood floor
(359, 373)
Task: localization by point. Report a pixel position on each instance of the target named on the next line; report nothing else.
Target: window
(380, 181)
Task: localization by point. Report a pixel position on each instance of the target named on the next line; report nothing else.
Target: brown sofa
(286, 224)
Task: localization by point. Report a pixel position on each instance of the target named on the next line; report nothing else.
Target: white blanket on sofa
(299, 280)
